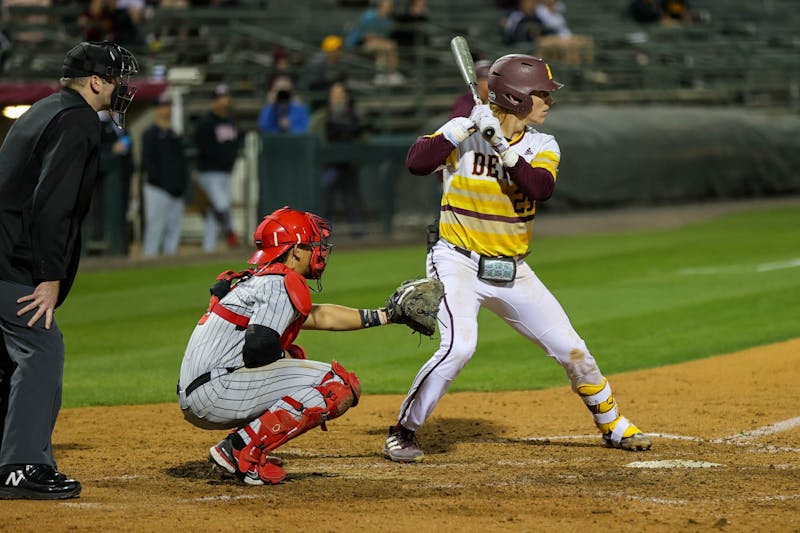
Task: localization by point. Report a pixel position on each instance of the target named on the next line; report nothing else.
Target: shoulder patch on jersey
(299, 293)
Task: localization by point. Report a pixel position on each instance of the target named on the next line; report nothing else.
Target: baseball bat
(463, 57)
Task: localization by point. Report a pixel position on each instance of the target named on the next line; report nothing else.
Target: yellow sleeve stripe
(547, 161)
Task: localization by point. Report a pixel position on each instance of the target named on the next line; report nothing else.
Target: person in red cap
(242, 369)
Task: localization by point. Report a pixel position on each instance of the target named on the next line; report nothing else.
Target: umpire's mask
(109, 61)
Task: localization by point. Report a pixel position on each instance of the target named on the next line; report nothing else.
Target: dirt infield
(514, 461)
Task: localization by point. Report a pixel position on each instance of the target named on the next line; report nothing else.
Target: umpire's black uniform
(48, 166)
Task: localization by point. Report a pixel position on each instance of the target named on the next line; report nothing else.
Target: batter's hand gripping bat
(463, 57)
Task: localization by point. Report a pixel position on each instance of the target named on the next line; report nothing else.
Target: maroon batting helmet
(514, 77)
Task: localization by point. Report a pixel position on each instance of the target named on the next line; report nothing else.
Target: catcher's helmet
(287, 227)
(107, 60)
(513, 78)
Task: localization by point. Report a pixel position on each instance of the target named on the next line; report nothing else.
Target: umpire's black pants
(31, 374)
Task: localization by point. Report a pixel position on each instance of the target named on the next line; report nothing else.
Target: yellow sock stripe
(595, 398)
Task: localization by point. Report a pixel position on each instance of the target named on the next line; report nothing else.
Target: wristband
(509, 157)
(372, 317)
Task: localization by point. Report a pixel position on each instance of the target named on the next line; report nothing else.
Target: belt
(468, 253)
(462, 251)
(202, 379)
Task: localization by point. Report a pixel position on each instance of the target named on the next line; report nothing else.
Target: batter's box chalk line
(744, 439)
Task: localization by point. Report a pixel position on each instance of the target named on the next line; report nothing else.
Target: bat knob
(488, 133)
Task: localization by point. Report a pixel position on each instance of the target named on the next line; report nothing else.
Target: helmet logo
(112, 55)
(491, 95)
(549, 74)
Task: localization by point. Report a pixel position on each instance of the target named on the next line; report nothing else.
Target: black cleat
(36, 482)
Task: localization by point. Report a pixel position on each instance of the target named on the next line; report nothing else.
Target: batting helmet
(279, 231)
(107, 60)
(514, 77)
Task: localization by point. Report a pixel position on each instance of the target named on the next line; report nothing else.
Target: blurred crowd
(303, 94)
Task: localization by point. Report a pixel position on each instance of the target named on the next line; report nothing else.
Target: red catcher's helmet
(514, 77)
(287, 227)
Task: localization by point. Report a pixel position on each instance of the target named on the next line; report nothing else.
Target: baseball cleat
(401, 446)
(638, 442)
(36, 482)
(224, 455)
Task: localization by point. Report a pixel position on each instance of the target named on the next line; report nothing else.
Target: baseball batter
(241, 368)
(488, 205)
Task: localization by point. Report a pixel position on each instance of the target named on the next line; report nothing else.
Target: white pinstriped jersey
(482, 209)
(218, 343)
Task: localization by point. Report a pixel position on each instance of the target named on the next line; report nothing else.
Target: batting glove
(456, 130)
(483, 117)
(509, 156)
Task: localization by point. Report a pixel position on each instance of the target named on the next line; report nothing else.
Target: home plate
(672, 463)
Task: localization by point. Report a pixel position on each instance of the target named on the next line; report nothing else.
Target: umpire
(48, 166)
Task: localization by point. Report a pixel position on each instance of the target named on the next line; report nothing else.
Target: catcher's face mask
(320, 246)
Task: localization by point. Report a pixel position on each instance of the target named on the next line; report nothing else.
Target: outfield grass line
(740, 268)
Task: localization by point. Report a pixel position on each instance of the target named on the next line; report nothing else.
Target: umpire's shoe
(401, 446)
(36, 482)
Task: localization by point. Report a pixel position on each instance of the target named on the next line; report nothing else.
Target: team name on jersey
(482, 209)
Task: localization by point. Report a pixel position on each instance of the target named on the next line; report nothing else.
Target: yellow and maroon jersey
(482, 209)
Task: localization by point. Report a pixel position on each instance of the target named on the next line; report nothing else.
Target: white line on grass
(740, 269)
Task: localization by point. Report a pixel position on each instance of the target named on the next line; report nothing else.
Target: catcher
(242, 370)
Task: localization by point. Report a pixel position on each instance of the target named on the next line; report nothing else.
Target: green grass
(640, 300)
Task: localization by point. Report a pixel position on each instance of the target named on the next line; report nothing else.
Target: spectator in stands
(408, 30)
(218, 141)
(462, 107)
(167, 174)
(281, 66)
(372, 35)
(665, 12)
(677, 10)
(97, 21)
(340, 122)
(128, 17)
(325, 69)
(522, 25)
(284, 112)
(557, 42)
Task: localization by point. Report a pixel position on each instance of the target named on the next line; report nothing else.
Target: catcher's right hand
(415, 303)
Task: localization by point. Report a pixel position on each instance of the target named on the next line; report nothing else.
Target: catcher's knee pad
(339, 394)
(600, 401)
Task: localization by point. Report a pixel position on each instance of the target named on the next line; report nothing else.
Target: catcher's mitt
(415, 303)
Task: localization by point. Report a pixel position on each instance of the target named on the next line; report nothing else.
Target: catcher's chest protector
(296, 288)
(299, 294)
